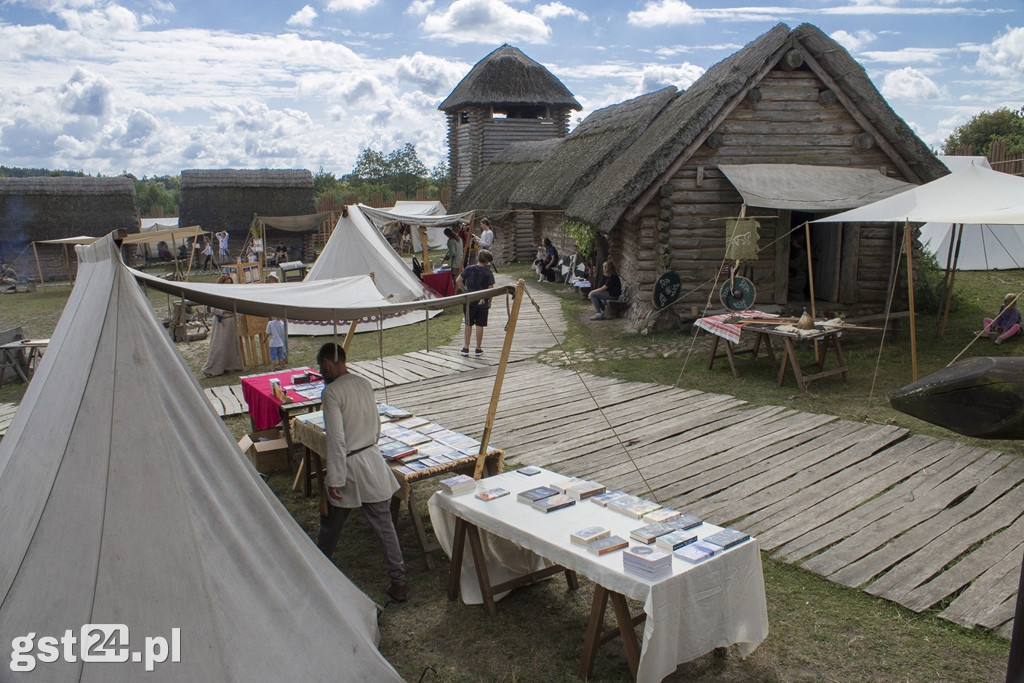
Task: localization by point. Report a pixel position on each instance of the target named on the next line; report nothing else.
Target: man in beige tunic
(357, 475)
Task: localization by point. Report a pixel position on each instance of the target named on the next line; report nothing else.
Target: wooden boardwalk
(910, 518)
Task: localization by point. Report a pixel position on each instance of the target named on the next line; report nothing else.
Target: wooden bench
(616, 307)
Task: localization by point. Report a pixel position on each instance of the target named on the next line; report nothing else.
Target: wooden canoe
(980, 397)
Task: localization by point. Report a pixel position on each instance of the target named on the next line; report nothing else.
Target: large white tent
(430, 215)
(357, 247)
(124, 500)
(971, 194)
(977, 246)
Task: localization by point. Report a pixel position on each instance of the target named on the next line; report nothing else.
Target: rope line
(593, 398)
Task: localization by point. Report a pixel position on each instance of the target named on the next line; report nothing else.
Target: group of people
(461, 243)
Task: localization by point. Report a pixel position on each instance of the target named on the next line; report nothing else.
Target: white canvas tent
(431, 215)
(357, 247)
(124, 500)
(971, 194)
(974, 246)
(152, 226)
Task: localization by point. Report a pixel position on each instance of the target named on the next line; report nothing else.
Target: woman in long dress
(225, 353)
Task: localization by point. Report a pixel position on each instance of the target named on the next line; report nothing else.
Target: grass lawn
(819, 631)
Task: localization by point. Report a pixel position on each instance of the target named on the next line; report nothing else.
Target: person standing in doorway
(357, 476)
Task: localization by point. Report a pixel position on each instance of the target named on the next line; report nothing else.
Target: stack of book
(685, 522)
(662, 515)
(396, 450)
(603, 499)
(647, 563)
(458, 485)
(491, 494)
(633, 506)
(584, 489)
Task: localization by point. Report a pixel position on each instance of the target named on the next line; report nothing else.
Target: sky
(153, 87)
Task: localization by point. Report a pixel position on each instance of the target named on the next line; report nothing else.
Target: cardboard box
(266, 449)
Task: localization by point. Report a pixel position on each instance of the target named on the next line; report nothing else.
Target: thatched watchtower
(55, 207)
(507, 97)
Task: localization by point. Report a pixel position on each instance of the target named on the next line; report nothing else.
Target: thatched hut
(791, 99)
(226, 199)
(47, 208)
(505, 98)
(515, 232)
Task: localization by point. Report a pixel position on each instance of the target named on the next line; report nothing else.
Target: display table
(25, 352)
(717, 326)
(264, 407)
(717, 603)
(306, 431)
(829, 342)
(441, 282)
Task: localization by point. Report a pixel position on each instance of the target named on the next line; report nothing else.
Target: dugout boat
(979, 397)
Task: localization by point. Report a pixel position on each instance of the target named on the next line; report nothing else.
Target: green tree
(982, 129)
(163, 192)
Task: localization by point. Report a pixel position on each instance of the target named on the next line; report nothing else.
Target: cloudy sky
(157, 86)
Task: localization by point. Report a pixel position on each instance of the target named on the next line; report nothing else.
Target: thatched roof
(41, 208)
(509, 77)
(490, 190)
(603, 135)
(227, 199)
(603, 201)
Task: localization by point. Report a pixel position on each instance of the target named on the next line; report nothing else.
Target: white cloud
(419, 8)
(854, 41)
(304, 17)
(553, 10)
(907, 55)
(350, 5)
(909, 83)
(657, 76)
(432, 75)
(664, 13)
(86, 94)
(1005, 55)
(485, 21)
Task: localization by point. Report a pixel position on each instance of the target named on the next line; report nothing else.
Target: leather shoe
(399, 592)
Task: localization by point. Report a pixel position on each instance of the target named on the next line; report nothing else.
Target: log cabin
(650, 177)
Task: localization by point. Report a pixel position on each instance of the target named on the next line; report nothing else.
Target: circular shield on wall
(667, 289)
(739, 294)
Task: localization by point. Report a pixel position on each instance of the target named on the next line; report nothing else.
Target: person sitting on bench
(611, 290)
(550, 269)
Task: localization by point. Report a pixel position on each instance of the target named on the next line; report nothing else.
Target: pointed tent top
(508, 77)
(125, 500)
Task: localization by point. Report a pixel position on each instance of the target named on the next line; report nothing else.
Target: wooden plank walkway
(6, 415)
(910, 518)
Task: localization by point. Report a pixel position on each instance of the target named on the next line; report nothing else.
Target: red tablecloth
(263, 405)
(716, 325)
(440, 282)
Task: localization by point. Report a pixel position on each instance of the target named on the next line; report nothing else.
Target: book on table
(562, 484)
(529, 470)
(647, 562)
(458, 485)
(603, 546)
(637, 510)
(648, 532)
(552, 503)
(396, 450)
(726, 538)
(591, 533)
(492, 494)
(685, 522)
(536, 493)
(675, 540)
(584, 490)
(697, 552)
(662, 515)
(606, 498)
(413, 422)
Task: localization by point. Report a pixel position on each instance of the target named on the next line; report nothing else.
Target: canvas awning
(164, 235)
(295, 223)
(810, 188)
(80, 239)
(969, 195)
(381, 217)
(347, 298)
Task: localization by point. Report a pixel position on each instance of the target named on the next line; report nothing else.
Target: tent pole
(42, 283)
(939, 324)
(492, 409)
(428, 267)
(349, 336)
(952, 277)
(67, 264)
(908, 245)
(810, 282)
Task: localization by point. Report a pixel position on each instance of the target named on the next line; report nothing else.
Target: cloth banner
(741, 239)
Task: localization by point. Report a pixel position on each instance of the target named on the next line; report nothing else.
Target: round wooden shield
(667, 289)
(739, 294)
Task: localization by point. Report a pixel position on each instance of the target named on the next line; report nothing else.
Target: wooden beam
(499, 377)
(636, 207)
(859, 117)
(42, 282)
(910, 297)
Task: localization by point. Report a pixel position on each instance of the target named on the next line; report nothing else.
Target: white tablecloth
(717, 603)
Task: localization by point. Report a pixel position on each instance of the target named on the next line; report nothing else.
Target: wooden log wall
(789, 118)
